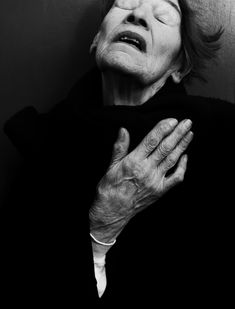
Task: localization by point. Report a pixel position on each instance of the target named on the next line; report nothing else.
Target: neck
(124, 90)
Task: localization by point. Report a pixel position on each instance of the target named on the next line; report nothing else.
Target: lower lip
(127, 44)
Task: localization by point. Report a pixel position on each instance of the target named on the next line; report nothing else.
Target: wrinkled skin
(137, 179)
(159, 24)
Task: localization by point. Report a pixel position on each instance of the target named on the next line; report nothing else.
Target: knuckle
(139, 172)
(183, 145)
(128, 163)
(171, 160)
(185, 142)
(150, 142)
(164, 149)
(117, 147)
(134, 168)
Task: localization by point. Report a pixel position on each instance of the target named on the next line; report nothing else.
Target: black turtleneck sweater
(181, 245)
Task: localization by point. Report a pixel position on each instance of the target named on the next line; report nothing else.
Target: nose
(138, 17)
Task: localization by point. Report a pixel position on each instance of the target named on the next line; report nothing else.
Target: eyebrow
(175, 6)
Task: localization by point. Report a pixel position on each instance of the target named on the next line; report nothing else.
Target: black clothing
(181, 245)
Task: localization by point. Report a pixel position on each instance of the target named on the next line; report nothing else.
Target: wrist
(106, 244)
(106, 223)
(100, 248)
(103, 237)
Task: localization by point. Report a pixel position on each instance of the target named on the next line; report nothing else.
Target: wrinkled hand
(136, 180)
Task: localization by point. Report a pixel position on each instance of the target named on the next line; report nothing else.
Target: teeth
(125, 38)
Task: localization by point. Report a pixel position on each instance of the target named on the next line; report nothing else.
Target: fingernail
(191, 134)
(173, 122)
(188, 123)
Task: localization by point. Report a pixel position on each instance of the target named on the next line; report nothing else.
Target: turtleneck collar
(89, 88)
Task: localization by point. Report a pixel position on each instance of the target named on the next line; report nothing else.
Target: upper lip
(141, 43)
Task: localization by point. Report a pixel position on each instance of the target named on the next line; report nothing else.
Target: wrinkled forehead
(107, 4)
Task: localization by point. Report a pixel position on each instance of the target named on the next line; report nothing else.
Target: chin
(123, 63)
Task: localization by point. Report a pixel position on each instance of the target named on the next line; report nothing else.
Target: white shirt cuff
(100, 273)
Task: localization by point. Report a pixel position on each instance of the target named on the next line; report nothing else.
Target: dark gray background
(44, 49)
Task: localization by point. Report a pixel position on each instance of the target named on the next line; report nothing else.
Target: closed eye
(162, 19)
(166, 19)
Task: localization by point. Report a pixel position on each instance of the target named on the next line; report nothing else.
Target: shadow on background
(44, 50)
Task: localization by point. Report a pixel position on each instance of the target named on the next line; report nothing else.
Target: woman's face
(141, 38)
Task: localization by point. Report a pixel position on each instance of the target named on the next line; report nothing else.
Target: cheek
(162, 58)
(109, 25)
(102, 46)
(166, 49)
(106, 31)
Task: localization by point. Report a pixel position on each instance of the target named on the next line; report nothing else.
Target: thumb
(120, 148)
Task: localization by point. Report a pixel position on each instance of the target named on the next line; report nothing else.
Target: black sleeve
(45, 243)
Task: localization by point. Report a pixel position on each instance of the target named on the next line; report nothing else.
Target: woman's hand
(136, 180)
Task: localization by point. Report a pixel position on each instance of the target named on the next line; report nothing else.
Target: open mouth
(133, 39)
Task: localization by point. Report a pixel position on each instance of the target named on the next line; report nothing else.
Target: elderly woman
(71, 205)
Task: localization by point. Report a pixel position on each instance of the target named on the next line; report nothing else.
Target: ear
(94, 43)
(180, 72)
(177, 76)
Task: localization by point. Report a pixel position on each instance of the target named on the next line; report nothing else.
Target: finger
(178, 176)
(171, 160)
(155, 136)
(120, 148)
(170, 142)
